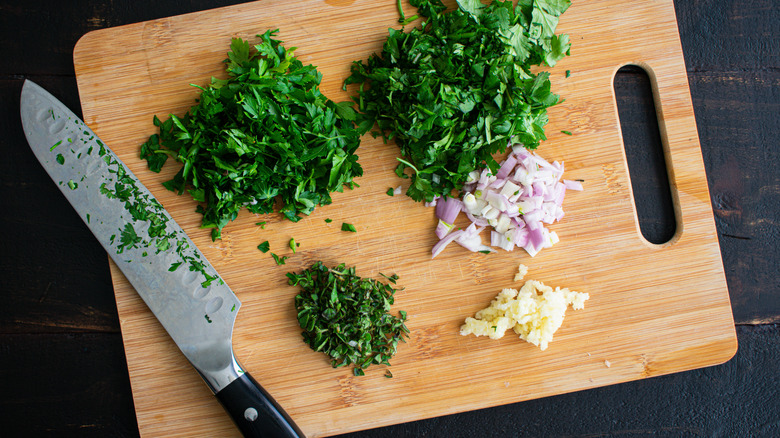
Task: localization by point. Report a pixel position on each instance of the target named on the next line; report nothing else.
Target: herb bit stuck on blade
(347, 317)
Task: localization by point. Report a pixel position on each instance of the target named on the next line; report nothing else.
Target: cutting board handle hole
(645, 154)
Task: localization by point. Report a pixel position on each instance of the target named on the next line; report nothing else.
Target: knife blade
(175, 280)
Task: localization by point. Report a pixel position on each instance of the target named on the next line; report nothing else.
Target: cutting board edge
(118, 280)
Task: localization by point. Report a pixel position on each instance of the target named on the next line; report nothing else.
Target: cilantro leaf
(473, 7)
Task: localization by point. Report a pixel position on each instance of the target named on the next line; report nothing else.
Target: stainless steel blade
(172, 276)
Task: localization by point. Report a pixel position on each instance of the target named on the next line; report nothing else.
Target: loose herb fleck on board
(264, 247)
(279, 260)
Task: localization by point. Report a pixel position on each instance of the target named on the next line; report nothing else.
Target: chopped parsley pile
(348, 317)
(266, 134)
(453, 91)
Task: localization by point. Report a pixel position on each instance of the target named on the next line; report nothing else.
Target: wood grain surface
(654, 309)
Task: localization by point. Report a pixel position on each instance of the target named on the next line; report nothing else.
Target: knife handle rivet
(250, 414)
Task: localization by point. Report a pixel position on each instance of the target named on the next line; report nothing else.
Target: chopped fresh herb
(391, 192)
(566, 132)
(279, 260)
(328, 220)
(87, 217)
(392, 279)
(208, 319)
(264, 133)
(348, 227)
(233, 309)
(60, 159)
(264, 247)
(162, 244)
(294, 246)
(453, 91)
(261, 224)
(402, 19)
(73, 185)
(128, 238)
(568, 73)
(388, 374)
(347, 317)
(55, 145)
(485, 252)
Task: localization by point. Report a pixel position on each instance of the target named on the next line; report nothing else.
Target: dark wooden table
(62, 365)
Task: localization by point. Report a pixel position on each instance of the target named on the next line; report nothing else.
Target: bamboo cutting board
(654, 309)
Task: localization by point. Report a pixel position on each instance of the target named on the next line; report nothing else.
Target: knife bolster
(219, 379)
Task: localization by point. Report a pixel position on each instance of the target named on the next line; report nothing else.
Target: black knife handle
(255, 412)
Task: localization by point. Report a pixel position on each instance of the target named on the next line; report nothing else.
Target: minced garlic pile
(535, 312)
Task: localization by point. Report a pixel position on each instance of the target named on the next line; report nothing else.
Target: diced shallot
(470, 239)
(446, 240)
(572, 185)
(447, 211)
(526, 193)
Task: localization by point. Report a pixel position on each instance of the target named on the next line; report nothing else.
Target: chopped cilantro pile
(453, 91)
(263, 135)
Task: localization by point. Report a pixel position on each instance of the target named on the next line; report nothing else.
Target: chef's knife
(184, 292)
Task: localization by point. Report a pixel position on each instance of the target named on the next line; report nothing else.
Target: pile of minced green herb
(453, 91)
(266, 134)
(348, 317)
